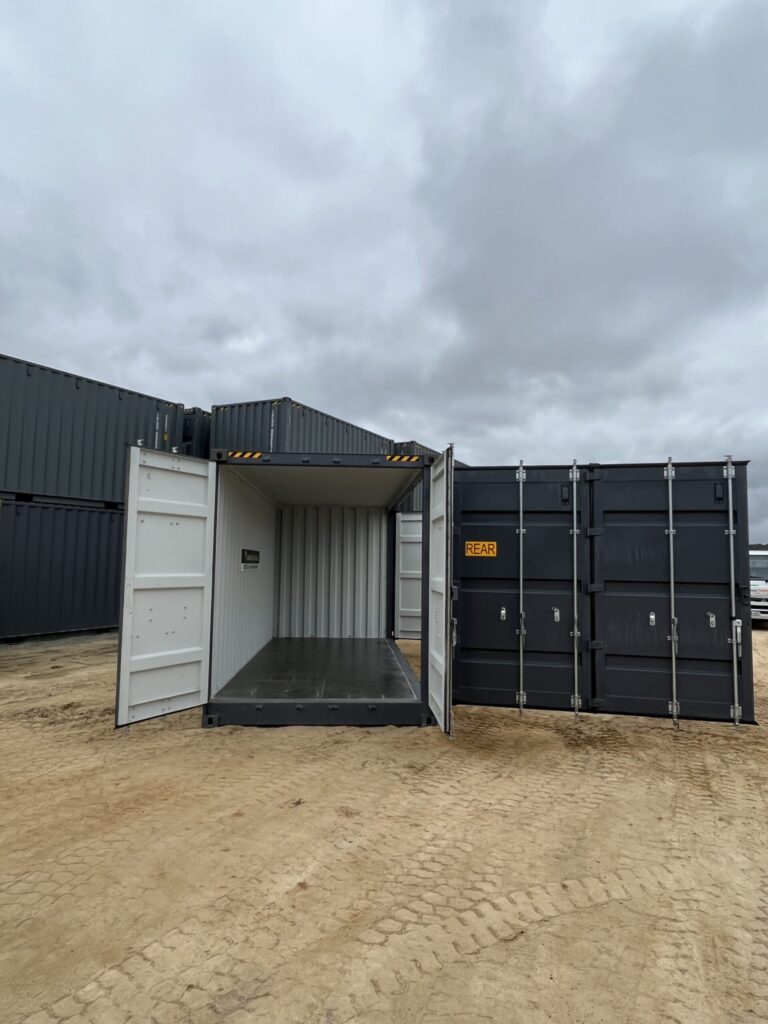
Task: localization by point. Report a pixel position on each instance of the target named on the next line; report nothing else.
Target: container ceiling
(374, 486)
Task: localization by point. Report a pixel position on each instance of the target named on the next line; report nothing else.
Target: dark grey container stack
(283, 425)
(197, 433)
(63, 444)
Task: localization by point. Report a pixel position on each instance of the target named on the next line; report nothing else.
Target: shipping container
(620, 589)
(260, 586)
(64, 436)
(60, 566)
(282, 425)
(197, 433)
(604, 588)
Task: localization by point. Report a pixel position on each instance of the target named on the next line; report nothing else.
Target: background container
(282, 425)
(197, 433)
(60, 566)
(413, 502)
(63, 436)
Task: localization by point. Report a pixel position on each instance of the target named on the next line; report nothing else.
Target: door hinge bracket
(737, 715)
(674, 708)
(729, 470)
(576, 701)
(595, 588)
(521, 698)
(595, 531)
(597, 645)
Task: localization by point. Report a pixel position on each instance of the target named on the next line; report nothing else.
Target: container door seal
(441, 625)
(165, 622)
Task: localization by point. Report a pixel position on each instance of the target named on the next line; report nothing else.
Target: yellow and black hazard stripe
(403, 458)
(244, 455)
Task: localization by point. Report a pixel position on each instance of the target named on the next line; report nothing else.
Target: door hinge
(454, 592)
(597, 645)
(595, 531)
(454, 632)
(595, 588)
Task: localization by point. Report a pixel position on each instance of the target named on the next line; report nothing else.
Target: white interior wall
(332, 575)
(243, 607)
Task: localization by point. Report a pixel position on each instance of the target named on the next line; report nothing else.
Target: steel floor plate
(321, 669)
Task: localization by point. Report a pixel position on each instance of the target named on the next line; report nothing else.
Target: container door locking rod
(520, 695)
(576, 696)
(674, 705)
(735, 640)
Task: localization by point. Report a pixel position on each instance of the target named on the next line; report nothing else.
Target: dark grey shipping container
(282, 425)
(63, 436)
(197, 433)
(624, 590)
(60, 566)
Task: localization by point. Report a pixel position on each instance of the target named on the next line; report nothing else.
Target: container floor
(314, 669)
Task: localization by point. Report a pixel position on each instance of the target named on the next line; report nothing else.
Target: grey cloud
(409, 215)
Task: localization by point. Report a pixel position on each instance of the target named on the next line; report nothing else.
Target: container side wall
(282, 425)
(243, 598)
(63, 436)
(333, 572)
(60, 568)
(248, 425)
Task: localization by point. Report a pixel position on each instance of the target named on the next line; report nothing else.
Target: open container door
(165, 622)
(440, 575)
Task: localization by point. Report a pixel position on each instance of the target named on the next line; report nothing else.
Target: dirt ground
(534, 869)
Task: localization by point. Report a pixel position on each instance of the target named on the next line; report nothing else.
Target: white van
(758, 583)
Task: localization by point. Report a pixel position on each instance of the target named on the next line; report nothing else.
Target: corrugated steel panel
(197, 433)
(282, 425)
(624, 583)
(332, 573)
(247, 425)
(243, 602)
(414, 448)
(60, 566)
(63, 436)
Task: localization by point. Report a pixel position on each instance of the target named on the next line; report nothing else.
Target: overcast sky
(537, 229)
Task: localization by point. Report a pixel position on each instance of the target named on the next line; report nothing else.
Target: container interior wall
(243, 607)
(333, 572)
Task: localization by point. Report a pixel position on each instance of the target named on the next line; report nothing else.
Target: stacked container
(63, 446)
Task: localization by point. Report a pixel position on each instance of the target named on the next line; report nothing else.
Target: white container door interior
(165, 623)
(440, 537)
(408, 614)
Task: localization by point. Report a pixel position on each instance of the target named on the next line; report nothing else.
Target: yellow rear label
(480, 548)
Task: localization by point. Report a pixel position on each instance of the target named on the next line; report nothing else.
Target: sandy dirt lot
(534, 869)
